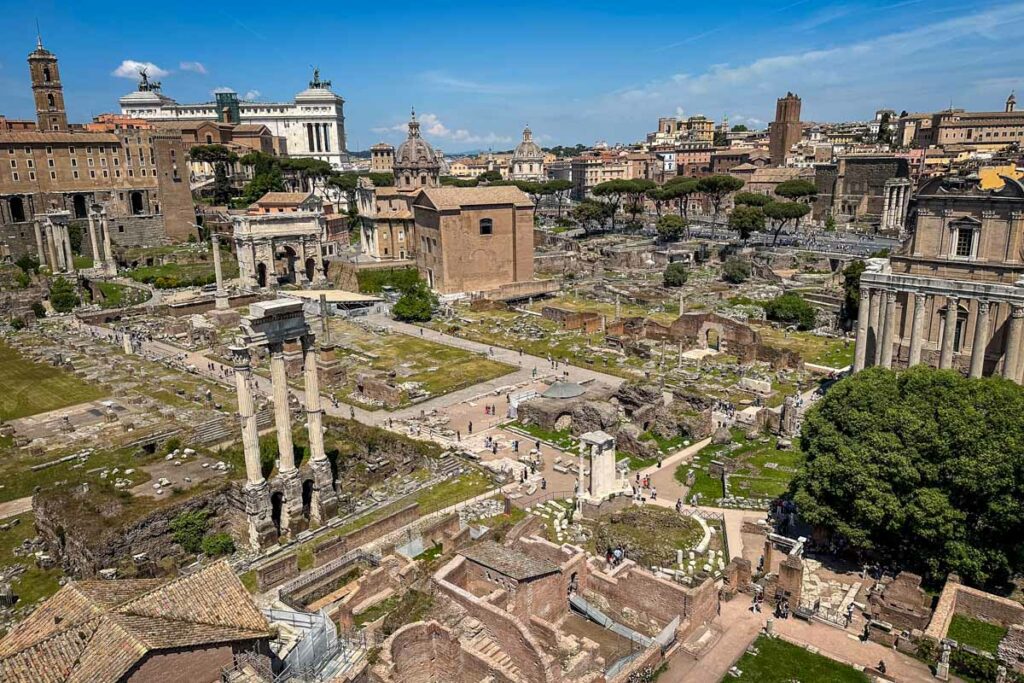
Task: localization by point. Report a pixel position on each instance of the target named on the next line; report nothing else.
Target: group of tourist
(642, 484)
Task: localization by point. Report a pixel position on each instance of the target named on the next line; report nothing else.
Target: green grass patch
(34, 584)
(979, 634)
(82, 262)
(651, 535)
(375, 612)
(28, 388)
(373, 281)
(780, 662)
(666, 446)
(561, 438)
(115, 295)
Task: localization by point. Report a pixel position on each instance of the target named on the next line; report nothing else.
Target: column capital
(983, 305)
(890, 295)
(241, 358)
(1017, 311)
(276, 349)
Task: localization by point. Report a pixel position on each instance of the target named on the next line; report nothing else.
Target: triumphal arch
(275, 248)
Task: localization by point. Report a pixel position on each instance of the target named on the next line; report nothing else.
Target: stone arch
(307, 497)
(79, 205)
(310, 268)
(17, 205)
(138, 206)
(713, 339)
(704, 335)
(276, 508)
(261, 274)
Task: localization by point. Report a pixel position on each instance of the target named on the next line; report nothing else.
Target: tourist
(881, 666)
(654, 493)
(458, 435)
(470, 426)
(538, 445)
(543, 484)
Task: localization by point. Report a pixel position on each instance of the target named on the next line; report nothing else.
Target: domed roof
(415, 150)
(527, 149)
(563, 390)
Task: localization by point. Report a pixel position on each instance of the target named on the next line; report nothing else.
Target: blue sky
(575, 71)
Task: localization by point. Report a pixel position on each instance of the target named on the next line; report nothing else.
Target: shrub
(373, 281)
(215, 545)
(63, 296)
(676, 274)
(791, 308)
(735, 270)
(39, 310)
(28, 264)
(172, 444)
(416, 305)
(23, 280)
(17, 324)
(188, 529)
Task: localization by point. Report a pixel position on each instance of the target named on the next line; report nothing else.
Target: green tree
(188, 529)
(489, 176)
(659, 197)
(680, 189)
(751, 199)
(675, 274)
(718, 187)
(612, 191)
(784, 212)
(23, 279)
(921, 469)
(215, 545)
(736, 270)
(746, 220)
(739, 128)
(796, 189)
(671, 227)
(720, 139)
(416, 305)
(28, 264)
(851, 289)
(221, 157)
(791, 308)
(63, 295)
(559, 189)
(830, 223)
(636, 193)
(590, 213)
(452, 181)
(885, 129)
(306, 175)
(38, 309)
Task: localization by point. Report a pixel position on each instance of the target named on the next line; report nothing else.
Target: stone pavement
(15, 507)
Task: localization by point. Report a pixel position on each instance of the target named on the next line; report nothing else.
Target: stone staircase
(449, 467)
(476, 638)
(221, 429)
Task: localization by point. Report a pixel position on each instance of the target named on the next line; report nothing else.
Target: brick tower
(784, 131)
(47, 90)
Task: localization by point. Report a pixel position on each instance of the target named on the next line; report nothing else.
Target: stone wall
(370, 588)
(195, 663)
(425, 652)
(971, 602)
(277, 572)
(333, 548)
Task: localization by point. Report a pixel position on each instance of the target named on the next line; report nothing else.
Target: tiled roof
(29, 137)
(286, 198)
(97, 630)
(456, 197)
(509, 562)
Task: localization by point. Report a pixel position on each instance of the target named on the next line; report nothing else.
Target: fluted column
(917, 329)
(1013, 342)
(980, 340)
(314, 410)
(863, 313)
(247, 414)
(96, 258)
(108, 251)
(875, 350)
(69, 257)
(221, 298)
(39, 242)
(888, 329)
(282, 417)
(948, 333)
(886, 206)
(56, 263)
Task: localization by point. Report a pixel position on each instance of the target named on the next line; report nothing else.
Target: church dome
(415, 151)
(527, 149)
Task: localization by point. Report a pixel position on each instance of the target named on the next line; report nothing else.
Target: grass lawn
(781, 662)
(116, 295)
(835, 353)
(35, 583)
(28, 388)
(563, 438)
(979, 634)
(651, 535)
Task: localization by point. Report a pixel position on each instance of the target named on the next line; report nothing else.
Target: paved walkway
(13, 508)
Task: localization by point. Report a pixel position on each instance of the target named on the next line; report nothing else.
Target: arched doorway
(261, 274)
(276, 505)
(307, 497)
(17, 205)
(713, 339)
(138, 205)
(310, 268)
(79, 205)
(284, 264)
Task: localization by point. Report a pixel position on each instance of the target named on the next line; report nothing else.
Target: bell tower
(47, 90)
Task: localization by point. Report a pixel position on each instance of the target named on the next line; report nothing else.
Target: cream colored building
(528, 160)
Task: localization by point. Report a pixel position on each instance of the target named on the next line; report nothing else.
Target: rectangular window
(71, 150)
(14, 163)
(106, 173)
(74, 163)
(88, 150)
(32, 175)
(49, 150)
(91, 161)
(53, 175)
(964, 241)
(14, 176)
(74, 174)
(117, 174)
(28, 150)
(92, 174)
(49, 162)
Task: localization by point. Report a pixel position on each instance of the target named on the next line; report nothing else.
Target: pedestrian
(458, 435)
(538, 445)
(351, 413)
(543, 484)
(654, 493)
(470, 426)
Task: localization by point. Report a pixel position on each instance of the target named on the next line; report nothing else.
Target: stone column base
(292, 519)
(224, 318)
(258, 509)
(324, 505)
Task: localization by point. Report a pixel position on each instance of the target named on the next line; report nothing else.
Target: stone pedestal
(292, 520)
(324, 505)
(259, 511)
(224, 317)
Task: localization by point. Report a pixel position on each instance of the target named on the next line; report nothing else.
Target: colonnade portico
(895, 202)
(103, 254)
(53, 232)
(891, 302)
(271, 325)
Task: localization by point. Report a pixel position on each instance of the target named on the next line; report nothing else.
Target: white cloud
(432, 126)
(130, 68)
(251, 95)
(194, 67)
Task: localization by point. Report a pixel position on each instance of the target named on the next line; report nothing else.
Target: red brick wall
(332, 548)
(195, 665)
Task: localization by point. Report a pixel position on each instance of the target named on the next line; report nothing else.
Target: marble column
(40, 254)
(282, 416)
(108, 251)
(325, 499)
(886, 206)
(221, 297)
(888, 329)
(863, 313)
(874, 331)
(258, 507)
(948, 333)
(1011, 359)
(97, 259)
(917, 329)
(980, 340)
(68, 255)
(56, 263)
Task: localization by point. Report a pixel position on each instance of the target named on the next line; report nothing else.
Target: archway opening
(261, 274)
(17, 205)
(137, 204)
(310, 268)
(713, 339)
(276, 505)
(284, 264)
(307, 497)
(79, 205)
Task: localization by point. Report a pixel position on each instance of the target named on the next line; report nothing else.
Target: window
(964, 242)
(50, 102)
(71, 150)
(74, 163)
(14, 163)
(88, 150)
(106, 173)
(209, 138)
(91, 161)
(49, 162)
(53, 175)
(32, 175)
(30, 163)
(14, 176)
(74, 174)
(92, 174)
(49, 150)
(486, 226)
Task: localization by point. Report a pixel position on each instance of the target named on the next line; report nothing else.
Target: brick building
(784, 132)
(864, 189)
(139, 174)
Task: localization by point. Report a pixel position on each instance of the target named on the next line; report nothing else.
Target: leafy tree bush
(671, 227)
(215, 545)
(718, 187)
(63, 296)
(591, 214)
(17, 324)
(489, 176)
(751, 199)
(784, 212)
(922, 469)
(28, 264)
(736, 270)
(830, 224)
(676, 274)
(23, 280)
(746, 220)
(791, 308)
(851, 288)
(796, 189)
(188, 529)
(373, 281)
(39, 310)
(416, 305)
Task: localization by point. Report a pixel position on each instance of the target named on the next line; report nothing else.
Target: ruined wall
(333, 548)
(370, 588)
(977, 604)
(277, 572)
(425, 652)
(656, 600)
(186, 664)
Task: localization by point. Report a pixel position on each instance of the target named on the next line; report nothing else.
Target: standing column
(56, 264)
(108, 252)
(948, 333)
(886, 206)
(221, 297)
(97, 260)
(258, 508)
(68, 255)
(282, 417)
(874, 331)
(325, 500)
(917, 329)
(39, 243)
(863, 313)
(1011, 358)
(889, 329)
(980, 340)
